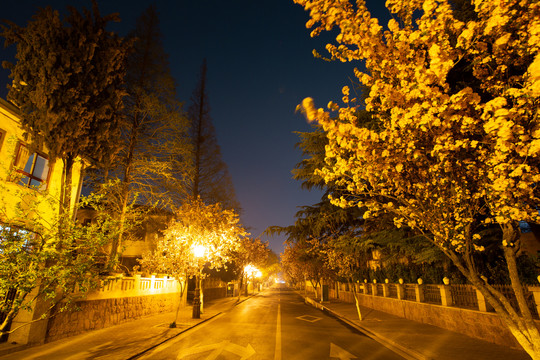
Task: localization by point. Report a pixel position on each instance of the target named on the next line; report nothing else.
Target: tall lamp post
(199, 251)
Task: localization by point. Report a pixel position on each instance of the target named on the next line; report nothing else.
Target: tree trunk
(353, 286)
(181, 301)
(522, 326)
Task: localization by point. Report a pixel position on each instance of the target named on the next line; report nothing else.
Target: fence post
(374, 288)
(365, 287)
(137, 282)
(419, 291)
(536, 295)
(399, 288)
(482, 303)
(446, 295)
(385, 291)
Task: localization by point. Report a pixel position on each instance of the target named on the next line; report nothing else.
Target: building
(27, 176)
(29, 194)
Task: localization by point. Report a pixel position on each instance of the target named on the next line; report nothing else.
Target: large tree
(252, 252)
(153, 159)
(458, 144)
(210, 178)
(200, 235)
(67, 82)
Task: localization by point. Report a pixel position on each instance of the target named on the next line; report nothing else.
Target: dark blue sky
(260, 66)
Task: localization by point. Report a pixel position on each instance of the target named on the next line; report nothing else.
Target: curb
(188, 328)
(15, 348)
(6, 349)
(172, 337)
(407, 353)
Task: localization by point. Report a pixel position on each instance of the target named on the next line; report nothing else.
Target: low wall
(98, 314)
(477, 324)
(119, 299)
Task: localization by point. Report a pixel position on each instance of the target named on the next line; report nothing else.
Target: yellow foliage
(445, 149)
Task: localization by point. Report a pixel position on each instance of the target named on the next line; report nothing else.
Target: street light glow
(198, 250)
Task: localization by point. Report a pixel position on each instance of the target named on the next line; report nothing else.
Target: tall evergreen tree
(67, 83)
(210, 179)
(153, 161)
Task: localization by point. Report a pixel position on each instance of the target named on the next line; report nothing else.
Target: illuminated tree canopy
(197, 226)
(458, 140)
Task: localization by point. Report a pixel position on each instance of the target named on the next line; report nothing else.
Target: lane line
(277, 353)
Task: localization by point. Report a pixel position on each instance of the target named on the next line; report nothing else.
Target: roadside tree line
(432, 154)
(85, 93)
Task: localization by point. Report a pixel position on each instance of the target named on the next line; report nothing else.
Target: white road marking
(277, 353)
(309, 318)
(337, 352)
(244, 352)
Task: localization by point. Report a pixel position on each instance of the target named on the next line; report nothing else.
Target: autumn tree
(201, 235)
(304, 261)
(67, 82)
(343, 231)
(250, 252)
(210, 178)
(152, 162)
(457, 149)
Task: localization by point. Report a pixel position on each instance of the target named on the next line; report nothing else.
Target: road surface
(274, 325)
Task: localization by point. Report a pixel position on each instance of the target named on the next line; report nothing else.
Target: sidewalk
(414, 340)
(122, 341)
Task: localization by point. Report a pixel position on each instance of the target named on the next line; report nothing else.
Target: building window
(33, 168)
(14, 239)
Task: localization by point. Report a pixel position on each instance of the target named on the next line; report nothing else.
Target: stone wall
(98, 314)
(477, 324)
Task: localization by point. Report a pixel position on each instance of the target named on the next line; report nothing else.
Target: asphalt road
(274, 325)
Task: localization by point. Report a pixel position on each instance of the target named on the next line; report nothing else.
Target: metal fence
(508, 292)
(368, 288)
(432, 294)
(410, 292)
(392, 291)
(464, 296)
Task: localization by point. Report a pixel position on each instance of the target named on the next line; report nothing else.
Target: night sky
(260, 66)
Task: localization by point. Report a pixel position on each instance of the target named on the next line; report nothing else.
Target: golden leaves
(443, 146)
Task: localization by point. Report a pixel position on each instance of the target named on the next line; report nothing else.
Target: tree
(200, 235)
(152, 161)
(302, 261)
(38, 265)
(250, 252)
(210, 178)
(457, 148)
(67, 82)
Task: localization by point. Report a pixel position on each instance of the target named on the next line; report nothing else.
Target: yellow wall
(11, 193)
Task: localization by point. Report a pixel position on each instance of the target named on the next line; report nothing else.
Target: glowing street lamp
(252, 271)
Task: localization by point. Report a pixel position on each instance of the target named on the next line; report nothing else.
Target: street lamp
(199, 251)
(254, 272)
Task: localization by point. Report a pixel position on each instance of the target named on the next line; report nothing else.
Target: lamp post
(252, 271)
(199, 252)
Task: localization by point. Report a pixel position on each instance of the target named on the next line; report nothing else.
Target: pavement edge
(407, 353)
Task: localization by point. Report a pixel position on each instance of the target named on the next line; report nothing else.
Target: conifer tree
(210, 179)
(67, 83)
(152, 163)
